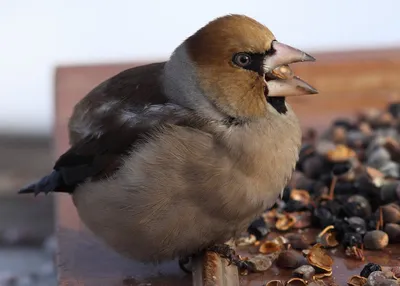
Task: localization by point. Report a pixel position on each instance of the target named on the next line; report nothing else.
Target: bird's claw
(225, 251)
(245, 265)
(183, 262)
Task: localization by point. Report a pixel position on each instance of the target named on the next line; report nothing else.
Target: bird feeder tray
(348, 82)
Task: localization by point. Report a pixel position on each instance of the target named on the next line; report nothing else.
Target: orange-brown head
(241, 67)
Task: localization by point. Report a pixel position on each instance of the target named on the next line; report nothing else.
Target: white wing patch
(153, 114)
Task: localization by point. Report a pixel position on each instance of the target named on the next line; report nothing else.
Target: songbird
(174, 158)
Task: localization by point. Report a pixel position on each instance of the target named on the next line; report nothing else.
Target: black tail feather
(50, 183)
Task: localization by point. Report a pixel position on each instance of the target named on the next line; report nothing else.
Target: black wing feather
(98, 157)
(91, 157)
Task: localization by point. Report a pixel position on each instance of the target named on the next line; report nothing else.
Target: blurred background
(38, 36)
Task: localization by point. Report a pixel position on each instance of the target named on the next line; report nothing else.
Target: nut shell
(376, 239)
(246, 240)
(269, 246)
(327, 237)
(290, 259)
(296, 282)
(378, 278)
(393, 231)
(390, 191)
(300, 195)
(391, 213)
(303, 219)
(305, 271)
(357, 281)
(262, 262)
(285, 222)
(340, 154)
(275, 283)
(297, 241)
(317, 257)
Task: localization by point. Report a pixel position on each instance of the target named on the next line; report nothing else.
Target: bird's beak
(279, 78)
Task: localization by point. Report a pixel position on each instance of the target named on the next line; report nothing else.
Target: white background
(36, 36)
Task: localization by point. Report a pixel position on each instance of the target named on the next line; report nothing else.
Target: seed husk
(245, 240)
(318, 258)
(269, 247)
(296, 282)
(305, 271)
(285, 222)
(261, 263)
(327, 237)
(357, 281)
(275, 283)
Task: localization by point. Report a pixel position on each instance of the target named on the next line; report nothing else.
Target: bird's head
(239, 67)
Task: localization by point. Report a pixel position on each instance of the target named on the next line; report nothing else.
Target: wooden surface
(347, 82)
(342, 269)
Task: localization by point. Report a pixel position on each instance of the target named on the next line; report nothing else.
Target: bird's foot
(183, 262)
(225, 251)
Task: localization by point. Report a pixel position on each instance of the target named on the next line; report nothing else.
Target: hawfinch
(173, 158)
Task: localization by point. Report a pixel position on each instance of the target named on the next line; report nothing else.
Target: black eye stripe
(256, 63)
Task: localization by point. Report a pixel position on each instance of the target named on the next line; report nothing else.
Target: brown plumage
(170, 158)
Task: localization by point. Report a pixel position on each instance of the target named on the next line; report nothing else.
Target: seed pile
(347, 185)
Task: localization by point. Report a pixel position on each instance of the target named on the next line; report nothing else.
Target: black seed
(323, 217)
(306, 151)
(341, 168)
(313, 167)
(295, 206)
(371, 222)
(357, 224)
(352, 209)
(369, 268)
(351, 239)
(366, 186)
(343, 226)
(344, 187)
(357, 206)
(258, 228)
(343, 122)
(394, 109)
(333, 206)
(317, 188)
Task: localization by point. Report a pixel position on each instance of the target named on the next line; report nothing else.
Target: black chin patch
(278, 102)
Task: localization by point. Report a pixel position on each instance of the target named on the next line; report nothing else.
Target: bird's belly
(173, 197)
(152, 233)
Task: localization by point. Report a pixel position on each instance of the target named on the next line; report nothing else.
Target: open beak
(279, 78)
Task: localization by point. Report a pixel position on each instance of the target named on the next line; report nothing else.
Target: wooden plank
(210, 269)
(348, 82)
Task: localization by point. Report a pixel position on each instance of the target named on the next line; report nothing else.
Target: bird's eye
(242, 59)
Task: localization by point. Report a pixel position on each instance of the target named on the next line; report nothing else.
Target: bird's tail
(50, 183)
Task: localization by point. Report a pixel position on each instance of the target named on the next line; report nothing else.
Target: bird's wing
(114, 100)
(96, 157)
(108, 122)
(100, 156)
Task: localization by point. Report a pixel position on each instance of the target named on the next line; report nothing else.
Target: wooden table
(347, 82)
(343, 267)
